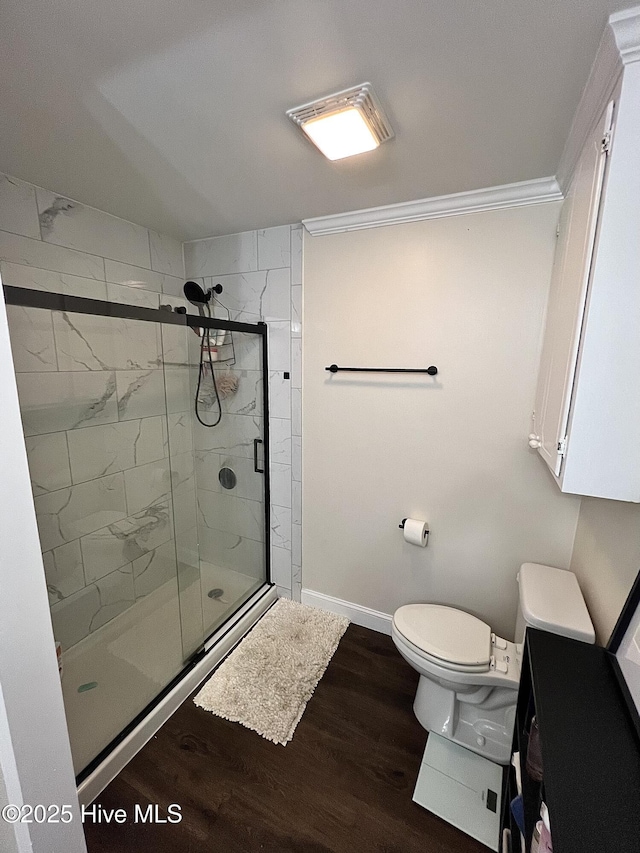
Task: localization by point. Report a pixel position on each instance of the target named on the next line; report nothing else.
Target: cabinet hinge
(562, 446)
(606, 142)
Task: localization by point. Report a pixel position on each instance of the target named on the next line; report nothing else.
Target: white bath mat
(266, 682)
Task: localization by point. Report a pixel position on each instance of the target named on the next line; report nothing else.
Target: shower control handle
(256, 467)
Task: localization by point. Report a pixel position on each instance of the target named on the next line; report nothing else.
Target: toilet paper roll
(416, 532)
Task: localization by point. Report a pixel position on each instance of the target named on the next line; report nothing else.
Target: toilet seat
(441, 664)
(449, 637)
(480, 676)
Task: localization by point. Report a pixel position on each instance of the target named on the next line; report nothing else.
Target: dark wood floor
(344, 784)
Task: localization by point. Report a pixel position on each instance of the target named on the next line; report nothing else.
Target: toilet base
(483, 728)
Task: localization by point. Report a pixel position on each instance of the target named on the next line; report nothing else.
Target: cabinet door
(568, 294)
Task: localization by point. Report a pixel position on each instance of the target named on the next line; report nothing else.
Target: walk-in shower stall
(147, 440)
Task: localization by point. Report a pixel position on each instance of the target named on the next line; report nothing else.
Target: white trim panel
(537, 191)
(218, 647)
(356, 613)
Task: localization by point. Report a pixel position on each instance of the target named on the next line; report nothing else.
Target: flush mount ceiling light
(345, 123)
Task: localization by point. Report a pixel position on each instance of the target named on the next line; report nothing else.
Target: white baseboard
(356, 613)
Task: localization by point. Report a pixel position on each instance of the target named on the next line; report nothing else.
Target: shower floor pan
(111, 675)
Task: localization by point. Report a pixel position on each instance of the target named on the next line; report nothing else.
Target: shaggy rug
(266, 682)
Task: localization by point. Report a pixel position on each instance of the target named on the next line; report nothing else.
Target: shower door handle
(256, 467)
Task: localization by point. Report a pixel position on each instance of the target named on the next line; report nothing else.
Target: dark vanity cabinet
(590, 750)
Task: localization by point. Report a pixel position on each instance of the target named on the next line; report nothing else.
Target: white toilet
(468, 676)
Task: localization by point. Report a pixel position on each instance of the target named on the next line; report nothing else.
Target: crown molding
(626, 31)
(599, 89)
(537, 191)
(619, 46)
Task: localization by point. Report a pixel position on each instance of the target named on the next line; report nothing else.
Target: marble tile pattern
(261, 273)
(234, 253)
(97, 451)
(52, 243)
(126, 483)
(123, 542)
(153, 569)
(51, 402)
(100, 426)
(67, 223)
(34, 351)
(166, 254)
(18, 211)
(34, 278)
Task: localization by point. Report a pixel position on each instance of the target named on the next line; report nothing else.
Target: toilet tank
(551, 599)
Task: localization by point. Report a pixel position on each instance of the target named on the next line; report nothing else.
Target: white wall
(606, 558)
(467, 294)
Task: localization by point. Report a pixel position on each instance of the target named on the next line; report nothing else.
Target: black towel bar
(432, 371)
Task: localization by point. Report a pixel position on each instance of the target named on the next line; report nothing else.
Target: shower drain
(215, 593)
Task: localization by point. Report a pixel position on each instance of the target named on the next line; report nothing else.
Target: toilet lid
(446, 633)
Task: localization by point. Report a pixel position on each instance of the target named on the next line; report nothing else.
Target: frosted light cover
(341, 134)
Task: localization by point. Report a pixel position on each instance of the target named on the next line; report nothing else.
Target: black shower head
(195, 294)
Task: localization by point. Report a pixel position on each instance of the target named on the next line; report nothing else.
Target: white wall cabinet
(587, 408)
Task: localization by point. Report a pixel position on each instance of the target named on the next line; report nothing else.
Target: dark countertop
(590, 749)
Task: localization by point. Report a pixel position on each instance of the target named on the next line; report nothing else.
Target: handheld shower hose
(197, 296)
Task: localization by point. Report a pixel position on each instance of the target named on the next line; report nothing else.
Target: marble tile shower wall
(261, 273)
(98, 420)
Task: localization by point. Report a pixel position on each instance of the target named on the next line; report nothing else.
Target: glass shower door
(153, 525)
(224, 555)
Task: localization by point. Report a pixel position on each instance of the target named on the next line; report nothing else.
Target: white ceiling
(170, 113)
